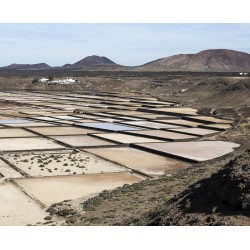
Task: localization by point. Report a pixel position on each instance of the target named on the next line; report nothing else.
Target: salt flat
(50, 190)
(54, 164)
(17, 209)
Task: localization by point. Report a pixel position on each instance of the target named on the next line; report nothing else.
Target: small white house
(60, 81)
(43, 80)
(68, 81)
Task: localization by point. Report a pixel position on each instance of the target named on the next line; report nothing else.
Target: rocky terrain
(222, 199)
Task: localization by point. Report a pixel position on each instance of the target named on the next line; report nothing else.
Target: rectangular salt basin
(85, 121)
(14, 121)
(194, 151)
(85, 116)
(30, 124)
(180, 122)
(54, 164)
(171, 111)
(195, 131)
(207, 119)
(140, 114)
(64, 122)
(139, 160)
(82, 141)
(216, 126)
(67, 117)
(107, 120)
(36, 143)
(8, 172)
(124, 138)
(147, 124)
(120, 107)
(51, 190)
(108, 126)
(109, 115)
(17, 209)
(45, 118)
(163, 135)
(128, 118)
(61, 130)
(15, 132)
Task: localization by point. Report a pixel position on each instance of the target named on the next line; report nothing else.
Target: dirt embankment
(222, 199)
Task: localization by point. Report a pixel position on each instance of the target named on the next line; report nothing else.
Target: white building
(43, 80)
(68, 81)
(60, 81)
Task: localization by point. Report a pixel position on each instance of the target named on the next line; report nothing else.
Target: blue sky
(126, 44)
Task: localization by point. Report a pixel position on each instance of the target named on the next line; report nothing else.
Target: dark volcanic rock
(223, 199)
(90, 61)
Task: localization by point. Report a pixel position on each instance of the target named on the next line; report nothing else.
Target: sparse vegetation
(245, 128)
(48, 218)
(35, 80)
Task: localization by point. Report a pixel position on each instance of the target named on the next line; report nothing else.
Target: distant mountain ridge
(213, 60)
(207, 60)
(28, 66)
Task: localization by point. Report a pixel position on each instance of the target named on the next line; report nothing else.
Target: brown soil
(222, 199)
